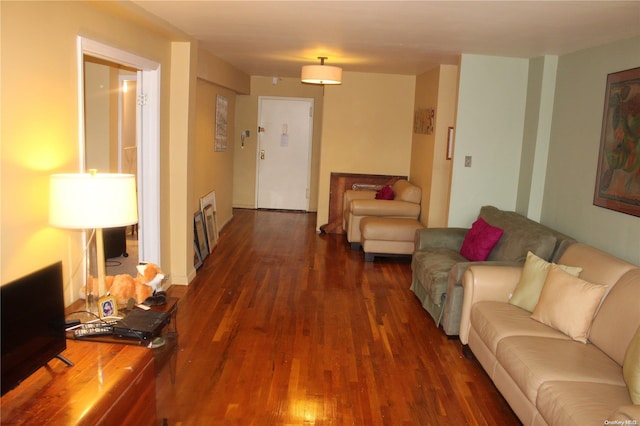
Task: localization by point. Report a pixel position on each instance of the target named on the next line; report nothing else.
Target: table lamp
(93, 201)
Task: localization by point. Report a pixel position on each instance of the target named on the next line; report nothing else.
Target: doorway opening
(145, 150)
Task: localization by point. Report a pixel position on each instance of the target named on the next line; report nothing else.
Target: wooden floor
(283, 326)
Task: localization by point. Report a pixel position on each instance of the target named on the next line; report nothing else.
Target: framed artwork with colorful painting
(618, 176)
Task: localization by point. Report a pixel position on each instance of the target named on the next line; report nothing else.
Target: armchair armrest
(484, 283)
(350, 195)
(393, 208)
(431, 238)
(626, 412)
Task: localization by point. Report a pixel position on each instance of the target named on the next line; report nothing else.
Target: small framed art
(197, 259)
(200, 234)
(107, 307)
(211, 225)
(450, 143)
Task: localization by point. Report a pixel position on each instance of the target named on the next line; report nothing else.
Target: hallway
(283, 326)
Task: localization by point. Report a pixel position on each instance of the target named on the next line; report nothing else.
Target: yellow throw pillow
(534, 273)
(568, 303)
(631, 368)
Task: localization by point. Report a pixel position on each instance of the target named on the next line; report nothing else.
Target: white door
(284, 153)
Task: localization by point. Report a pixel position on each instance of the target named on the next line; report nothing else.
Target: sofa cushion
(521, 235)
(579, 403)
(568, 303)
(631, 368)
(532, 361)
(431, 268)
(493, 321)
(534, 273)
(598, 267)
(389, 228)
(480, 240)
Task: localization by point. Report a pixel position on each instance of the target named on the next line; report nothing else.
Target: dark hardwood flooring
(283, 326)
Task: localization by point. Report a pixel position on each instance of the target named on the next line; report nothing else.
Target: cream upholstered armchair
(359, 204)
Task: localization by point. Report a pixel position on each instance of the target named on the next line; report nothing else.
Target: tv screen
(33, 323)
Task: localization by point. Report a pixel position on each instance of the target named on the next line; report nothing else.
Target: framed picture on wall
(221, 123)
(450, 143)
(618, 174)
(423, 121)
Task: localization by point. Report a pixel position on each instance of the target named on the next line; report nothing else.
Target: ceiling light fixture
(321, 74)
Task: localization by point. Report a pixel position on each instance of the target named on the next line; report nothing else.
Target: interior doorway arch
(148, 133)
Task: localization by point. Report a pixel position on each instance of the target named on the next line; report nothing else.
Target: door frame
(311, 102)
(148, 130)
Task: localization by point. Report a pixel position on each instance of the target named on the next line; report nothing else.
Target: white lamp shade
(321, 74)
(101, 200)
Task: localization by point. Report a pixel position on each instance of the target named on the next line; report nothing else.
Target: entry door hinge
(142, 99)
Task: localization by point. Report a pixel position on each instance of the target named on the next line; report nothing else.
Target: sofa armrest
(432, 238)
(350, 195)
(485, 283)
(385, 208)
(455, 293)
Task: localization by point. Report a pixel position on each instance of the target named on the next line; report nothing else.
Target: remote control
(92, 331)
(99, 324)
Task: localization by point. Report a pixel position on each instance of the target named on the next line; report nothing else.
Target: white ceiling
(275, 38)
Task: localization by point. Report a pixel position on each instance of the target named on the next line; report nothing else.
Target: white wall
(537, 129)
(489, 128)
(573, 154)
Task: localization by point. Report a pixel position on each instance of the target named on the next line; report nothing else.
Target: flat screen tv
(33, 323)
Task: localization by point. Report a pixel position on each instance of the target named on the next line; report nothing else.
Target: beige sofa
(547, 377)
(359, 204)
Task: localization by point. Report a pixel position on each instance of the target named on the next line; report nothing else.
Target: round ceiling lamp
(321, 74)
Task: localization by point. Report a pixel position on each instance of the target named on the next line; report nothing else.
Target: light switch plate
(467, 161)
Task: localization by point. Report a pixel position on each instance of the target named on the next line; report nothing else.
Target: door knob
(262, 154)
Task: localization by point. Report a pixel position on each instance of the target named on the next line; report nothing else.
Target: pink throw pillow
(385, 193)
(480, 240)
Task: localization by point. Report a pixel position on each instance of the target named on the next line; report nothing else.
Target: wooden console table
(109, 384)
(339, 183)
(169, 332)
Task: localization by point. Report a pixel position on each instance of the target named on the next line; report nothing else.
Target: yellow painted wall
(214, 169)
(180, 172)
(367, 128)
(211, 68)
(430, 169)
(40, 128)
(244, 175)
(40, 122)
